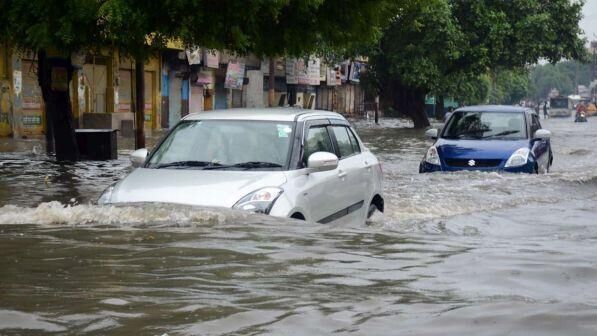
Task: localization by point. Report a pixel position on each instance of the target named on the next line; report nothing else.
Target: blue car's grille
(473, 163)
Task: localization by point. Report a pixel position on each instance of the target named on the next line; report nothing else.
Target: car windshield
(225, 144)
(485, 125)
(559, 103)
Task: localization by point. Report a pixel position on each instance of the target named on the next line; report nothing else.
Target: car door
(352, 168)
(323, 192)
(539, 147)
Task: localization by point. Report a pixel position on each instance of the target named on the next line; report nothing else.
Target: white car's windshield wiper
(187, 164)
(247, 165)
(501, 134)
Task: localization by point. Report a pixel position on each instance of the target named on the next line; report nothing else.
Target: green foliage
(563, 76)
(263, 27)
(507, 87)
(59, 24)
(444, 46)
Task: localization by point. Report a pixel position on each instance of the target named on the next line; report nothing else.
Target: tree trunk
(408, 101)
(439, 108)
(271, 96)
(54, 76)
(139, 103)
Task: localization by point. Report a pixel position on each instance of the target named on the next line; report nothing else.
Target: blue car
(490, 138)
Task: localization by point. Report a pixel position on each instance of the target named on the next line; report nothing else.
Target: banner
(355, 71)
(291, 71)
(211, 59)
(234, 76)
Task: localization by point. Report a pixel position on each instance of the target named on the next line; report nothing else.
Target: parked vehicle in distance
(490, 138)
(284, 162)
(560, 107)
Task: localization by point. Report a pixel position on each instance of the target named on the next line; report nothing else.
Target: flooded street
(454, 254)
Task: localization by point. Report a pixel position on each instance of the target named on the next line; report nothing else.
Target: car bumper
(426, 167)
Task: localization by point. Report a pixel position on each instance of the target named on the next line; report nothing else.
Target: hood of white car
(220, 188)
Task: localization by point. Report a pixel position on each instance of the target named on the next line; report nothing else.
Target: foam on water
(53, 213)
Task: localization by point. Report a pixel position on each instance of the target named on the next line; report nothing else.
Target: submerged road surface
(455, 254)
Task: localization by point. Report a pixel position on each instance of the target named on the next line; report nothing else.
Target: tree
(139, 27)
(563, 76)
(442, 42)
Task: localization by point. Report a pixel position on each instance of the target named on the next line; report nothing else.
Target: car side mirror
(542, 134)
(431, 133)
(322, 161)
(138, 157)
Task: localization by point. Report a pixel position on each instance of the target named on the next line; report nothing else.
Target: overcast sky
(589, 22)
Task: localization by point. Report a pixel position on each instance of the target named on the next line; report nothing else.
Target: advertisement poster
(17, 85)
(314, 71)
(355, 72)
(331, 79)
(194, 56)
(234, 76)
(291, 71)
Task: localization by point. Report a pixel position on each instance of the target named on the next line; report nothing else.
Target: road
(461, 253)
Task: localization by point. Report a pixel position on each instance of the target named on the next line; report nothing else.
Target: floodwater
(455, 254)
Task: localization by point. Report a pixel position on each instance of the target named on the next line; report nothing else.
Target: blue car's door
(540, 148)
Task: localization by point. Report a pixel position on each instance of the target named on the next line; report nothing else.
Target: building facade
(176, 82)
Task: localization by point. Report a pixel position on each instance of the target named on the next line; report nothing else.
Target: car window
(345, 146)
(353, 140)
(318, 140)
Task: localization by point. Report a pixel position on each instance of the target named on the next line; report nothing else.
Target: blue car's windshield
(485, 125)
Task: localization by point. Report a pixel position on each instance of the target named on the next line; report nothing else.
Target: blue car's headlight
(260, 201)
(432, 156)
(518, 158)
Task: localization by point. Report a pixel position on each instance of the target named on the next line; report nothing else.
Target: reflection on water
(462, 253)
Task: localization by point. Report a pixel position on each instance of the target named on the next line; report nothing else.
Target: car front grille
(473, 163)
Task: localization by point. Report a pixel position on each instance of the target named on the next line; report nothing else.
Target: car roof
(269, 114)
(493, 108)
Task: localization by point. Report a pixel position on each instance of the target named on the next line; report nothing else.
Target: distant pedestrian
(537, 108)
(545, 115)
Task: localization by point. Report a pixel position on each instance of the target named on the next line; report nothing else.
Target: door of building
(31, 121)
(174, 100)
(97, 81)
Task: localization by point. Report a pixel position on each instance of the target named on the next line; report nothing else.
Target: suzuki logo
(471, 163)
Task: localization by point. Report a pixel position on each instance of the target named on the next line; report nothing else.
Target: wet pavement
(460, 253)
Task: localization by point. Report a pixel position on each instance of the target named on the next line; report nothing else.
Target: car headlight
(106, 196)
(518, 158)
(259, 201)
(432, 157)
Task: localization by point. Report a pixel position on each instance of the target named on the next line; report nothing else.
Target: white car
(284, 162)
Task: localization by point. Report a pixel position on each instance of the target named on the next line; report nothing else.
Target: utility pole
(139, 103)
(594, 71)
(271, 95)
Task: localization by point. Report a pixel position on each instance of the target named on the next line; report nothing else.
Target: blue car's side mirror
(431, 133)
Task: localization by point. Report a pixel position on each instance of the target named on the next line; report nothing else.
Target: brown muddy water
(454, 254)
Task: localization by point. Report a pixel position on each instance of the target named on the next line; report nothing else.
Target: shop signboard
(291, 71)
(331, 78)
(211, 59)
